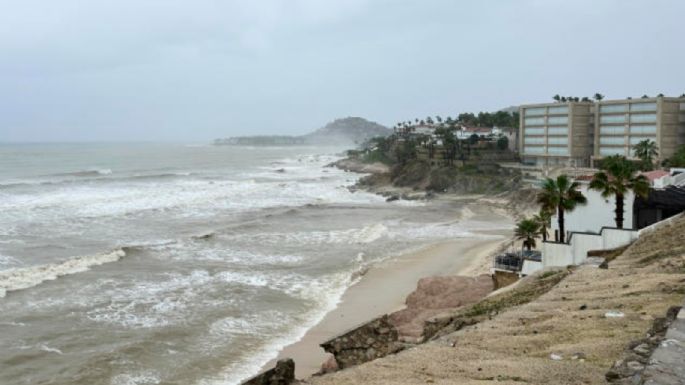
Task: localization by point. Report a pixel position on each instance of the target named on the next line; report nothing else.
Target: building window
(613, 118)
(558, 110)
(535, 131)
(637, 139)
(612, 140)
(557, 120)
(641, 130)
(611, 108)
(534, 149)
(535, 111)
(557, 140)
(557, 150)
(612, 130)
(534, 121)
(608, 151)
(643, 107)
(557, 131)
(534, 140)
(643, 118)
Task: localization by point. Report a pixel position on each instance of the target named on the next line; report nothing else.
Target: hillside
(588, 326)
(351, 130)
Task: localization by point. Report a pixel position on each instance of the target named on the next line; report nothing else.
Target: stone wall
(372, 340)
(282, 374)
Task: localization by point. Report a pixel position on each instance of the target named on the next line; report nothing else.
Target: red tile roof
(656, 174)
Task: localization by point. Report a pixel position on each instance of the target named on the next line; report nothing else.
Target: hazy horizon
(179, 71)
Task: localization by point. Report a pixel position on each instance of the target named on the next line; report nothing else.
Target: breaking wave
(23, 278)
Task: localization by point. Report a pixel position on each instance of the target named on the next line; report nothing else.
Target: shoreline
(384, 288)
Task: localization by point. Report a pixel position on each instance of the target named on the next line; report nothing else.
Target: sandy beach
(384, 288)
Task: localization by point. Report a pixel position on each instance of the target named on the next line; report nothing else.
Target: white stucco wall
(556, 254)
(612, 239)
(575, 253)
(582, 243)
(597, 213)
(529, 267)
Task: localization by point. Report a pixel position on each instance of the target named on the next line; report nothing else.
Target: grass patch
(484, 309)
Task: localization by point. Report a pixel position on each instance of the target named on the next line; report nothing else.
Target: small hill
(510, 109)
(351, 130)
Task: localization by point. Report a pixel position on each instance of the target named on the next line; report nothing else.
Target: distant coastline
(350, 130)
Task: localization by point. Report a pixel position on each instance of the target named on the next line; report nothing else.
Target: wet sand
(384, 288)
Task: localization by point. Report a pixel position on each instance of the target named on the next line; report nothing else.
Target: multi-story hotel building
(556, 134)
(620, 124)
(578, 133)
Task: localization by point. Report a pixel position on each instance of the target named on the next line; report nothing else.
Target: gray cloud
(182, 70)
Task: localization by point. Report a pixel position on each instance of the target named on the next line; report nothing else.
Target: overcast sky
(194, 70)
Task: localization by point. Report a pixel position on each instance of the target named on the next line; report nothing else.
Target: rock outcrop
(435, 295)
(374, 339)
(282, 374)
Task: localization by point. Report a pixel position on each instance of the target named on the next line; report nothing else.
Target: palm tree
(527, 230)
(556, 98)
(598, 97)
(618, 179)
(543, 219)
(646, 150)
(560, 195)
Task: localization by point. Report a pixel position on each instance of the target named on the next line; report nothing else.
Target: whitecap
(26, 277)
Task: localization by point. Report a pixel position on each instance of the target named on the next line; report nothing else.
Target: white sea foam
(22, 278)
(326, 291)
(48, 349)
(147, 304)
(146, 377)
(363, 235)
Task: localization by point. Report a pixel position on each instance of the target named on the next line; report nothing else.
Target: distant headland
(350, 130)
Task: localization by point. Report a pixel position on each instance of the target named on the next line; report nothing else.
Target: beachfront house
(591, 228)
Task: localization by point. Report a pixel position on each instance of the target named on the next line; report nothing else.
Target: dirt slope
(517, 345)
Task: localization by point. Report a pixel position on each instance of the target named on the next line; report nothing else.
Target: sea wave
(89, 172)
(326, 292)
(26, 277)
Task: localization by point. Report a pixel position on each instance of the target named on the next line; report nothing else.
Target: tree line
(482, 119)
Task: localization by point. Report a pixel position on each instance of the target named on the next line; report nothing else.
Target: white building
(598, 212)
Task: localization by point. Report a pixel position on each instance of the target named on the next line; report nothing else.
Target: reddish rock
(330, 365)
(435, 295)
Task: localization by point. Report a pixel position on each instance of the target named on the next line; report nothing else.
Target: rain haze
(195, 70)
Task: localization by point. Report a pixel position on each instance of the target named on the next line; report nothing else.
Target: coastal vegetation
(677, 160)
(560, 195)
(543, 219)
(500, 118)
(646, 150)
(440, 157)
(527, 230)
(618, 177)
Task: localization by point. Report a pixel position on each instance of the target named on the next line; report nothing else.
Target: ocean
(183, 264)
